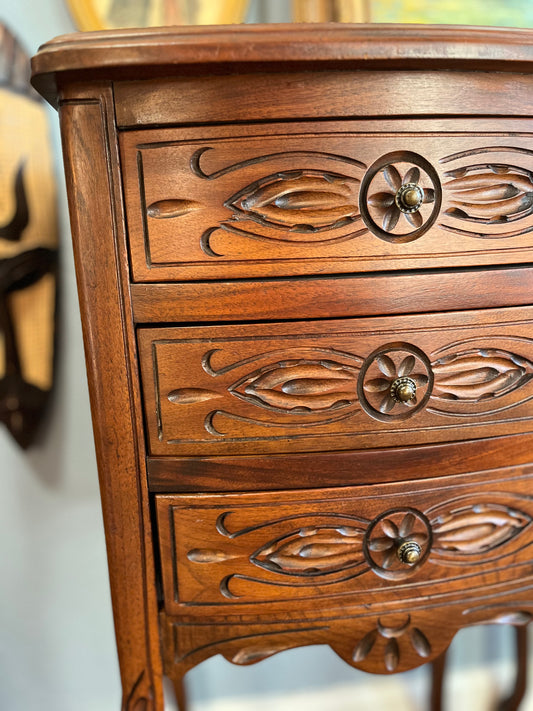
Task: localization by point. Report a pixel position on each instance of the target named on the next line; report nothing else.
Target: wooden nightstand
(303, 265)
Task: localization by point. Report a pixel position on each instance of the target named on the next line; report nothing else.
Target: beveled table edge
(355, 46)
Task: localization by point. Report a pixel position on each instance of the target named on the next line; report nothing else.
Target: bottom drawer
(280, 551)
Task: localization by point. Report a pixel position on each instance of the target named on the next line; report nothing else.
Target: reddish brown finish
(438, 667)
(156, 53)
(386, 293)
(247, 97)
(247, 641)
(311, 386)
(266, 357)
(223, 554)
(86, 124)
(277, 200)
(300, 471)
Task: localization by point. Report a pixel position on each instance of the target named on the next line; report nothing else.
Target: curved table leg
(512, 703)
(181, 696)
(437, 678)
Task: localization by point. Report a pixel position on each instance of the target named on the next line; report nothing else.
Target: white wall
(57, 649)
(56, 631)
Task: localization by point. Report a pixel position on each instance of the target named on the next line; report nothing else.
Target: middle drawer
(337, 384)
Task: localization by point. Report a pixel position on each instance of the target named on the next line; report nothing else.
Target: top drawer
(327, 197)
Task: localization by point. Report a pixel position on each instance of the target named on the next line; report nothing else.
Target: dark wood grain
(300, 471)
(246, 96)
(339, 297)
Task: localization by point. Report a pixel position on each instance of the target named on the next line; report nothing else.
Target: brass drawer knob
(409, 197)
(409, 552)
(403, 389)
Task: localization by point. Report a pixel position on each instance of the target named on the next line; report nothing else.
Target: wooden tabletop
(157, 51)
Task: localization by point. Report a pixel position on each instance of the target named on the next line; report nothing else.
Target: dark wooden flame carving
(305, 205)
(490, 194)
(316, 198)
(477, 528)
(299, 200)
(479, 374)
(313, 551)
(313, 387)
(300, 385)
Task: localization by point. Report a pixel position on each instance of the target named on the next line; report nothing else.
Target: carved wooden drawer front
(289, 548)
(347, 461)
(294, 199)
(346, 384)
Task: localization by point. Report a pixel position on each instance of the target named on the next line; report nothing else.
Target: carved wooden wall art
(304, 265)
(28, 248)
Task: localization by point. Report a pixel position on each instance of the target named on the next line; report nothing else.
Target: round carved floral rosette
(395, 382)
(400, 197)
(397, 543)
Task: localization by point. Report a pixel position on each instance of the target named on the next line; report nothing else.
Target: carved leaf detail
(208, 555)
(420, 643)
(392, 655)
(253, 654)
(396, 638)
(165, 209)
(490, 193)
(299, 200)
(364, 647)
(300, 385)
(186, 396)
(477, 528)
(138, 698)
(312, 551)
(476, 375)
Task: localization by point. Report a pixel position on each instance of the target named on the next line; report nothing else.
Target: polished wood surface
(328, 385)
(304, 265)
(366, 466)
(86, 124)
(281, 200)
(332, 95)
(339, 297)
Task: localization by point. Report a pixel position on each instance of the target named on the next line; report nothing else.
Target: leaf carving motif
(300, 385)
(388, 640)
(477, 528)
(138, 698)
(299, 200)
(490, 194)
(186, 396)
(312, 551)
(475, 375)
(167, 209)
